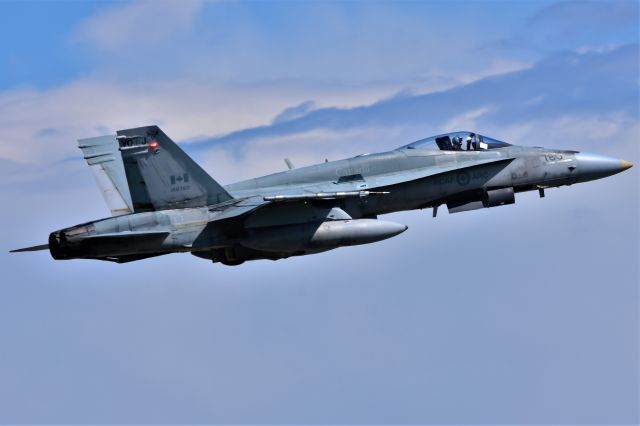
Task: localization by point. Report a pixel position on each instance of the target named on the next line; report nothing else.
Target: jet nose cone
(596, 166)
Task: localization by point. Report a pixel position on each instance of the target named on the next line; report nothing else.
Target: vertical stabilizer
(162, 176)
(103, 157)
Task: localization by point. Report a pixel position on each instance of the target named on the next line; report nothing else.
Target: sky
(523, 314)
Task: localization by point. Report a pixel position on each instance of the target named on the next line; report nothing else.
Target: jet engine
(498, 197)
(65, 243)
(488, 198)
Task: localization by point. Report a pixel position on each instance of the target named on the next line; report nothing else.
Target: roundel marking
(463, 178)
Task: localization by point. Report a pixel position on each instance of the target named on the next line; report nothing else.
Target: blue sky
(523, 314)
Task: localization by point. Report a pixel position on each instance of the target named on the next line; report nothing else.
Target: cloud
(576, 26)
(43, 125)
(595, 87)
(295, 112)
(330, 44)
(588, 15)
(138, 24)
(563, 83)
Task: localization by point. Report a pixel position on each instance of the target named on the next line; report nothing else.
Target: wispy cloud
(328, 43)
(585, 16)
(579, 84)
(575, 25)
(599, 87)
(43, 125)
(138, 24)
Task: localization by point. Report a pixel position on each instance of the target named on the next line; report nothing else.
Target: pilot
(470, 140)
(457, 143)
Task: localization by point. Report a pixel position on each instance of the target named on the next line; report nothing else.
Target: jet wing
(372, 185)
(237, 207)
(379, 181)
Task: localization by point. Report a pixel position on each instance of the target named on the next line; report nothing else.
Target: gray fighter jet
(162, 202)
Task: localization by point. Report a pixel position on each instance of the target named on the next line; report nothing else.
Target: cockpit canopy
(457, 141)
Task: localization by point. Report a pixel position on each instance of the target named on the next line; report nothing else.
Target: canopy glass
(457, 141)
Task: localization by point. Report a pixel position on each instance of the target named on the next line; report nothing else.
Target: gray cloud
(584, 84)
(295, 112)
(588, 16)
(137, 25)
(573, 25)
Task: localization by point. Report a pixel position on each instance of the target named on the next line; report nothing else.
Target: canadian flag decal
(180, 179)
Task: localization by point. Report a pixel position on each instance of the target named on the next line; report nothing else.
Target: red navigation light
(153, 145)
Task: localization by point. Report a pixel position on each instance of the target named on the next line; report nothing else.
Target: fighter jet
(162, 202)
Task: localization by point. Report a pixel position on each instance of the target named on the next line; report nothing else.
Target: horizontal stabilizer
(105, 161)
(34, 248)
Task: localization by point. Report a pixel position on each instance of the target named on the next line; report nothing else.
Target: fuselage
(400, 173)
